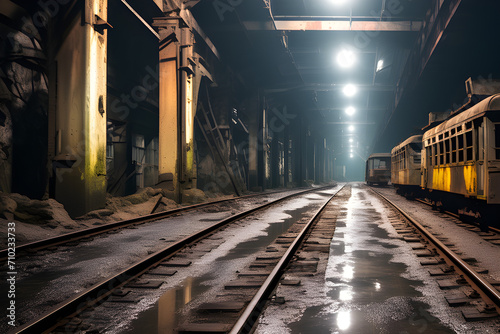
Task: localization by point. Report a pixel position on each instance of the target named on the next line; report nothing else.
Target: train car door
(424, 165)
(492, 150)
(480, 166)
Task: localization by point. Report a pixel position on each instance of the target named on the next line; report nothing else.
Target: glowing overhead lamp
(339, 2)
(349, 90)
(380, 65)
(346, 58)
(350, 111)
(351, 128)
(350, 140)
(351, 155)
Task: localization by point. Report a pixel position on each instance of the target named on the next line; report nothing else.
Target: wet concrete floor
(254, 235)
(368, 286)
(49, 277)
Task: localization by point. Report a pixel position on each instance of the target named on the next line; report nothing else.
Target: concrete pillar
(178, 89)
(274, 161)
(286, 148)
(253, 152)
(79, 160)
(303, 152)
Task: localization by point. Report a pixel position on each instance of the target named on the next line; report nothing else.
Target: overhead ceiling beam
(329, 88)
(343, 109)
(442, 12)
(351, 123)
(337, 25)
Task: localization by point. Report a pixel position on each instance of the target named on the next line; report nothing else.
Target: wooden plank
(243, 284)
(204, 328)
(228, 306)
(176, 263)
(255, 273)
(160, 271)
(144, 284)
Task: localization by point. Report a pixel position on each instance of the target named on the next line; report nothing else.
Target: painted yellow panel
(441, 179)
(470, 177)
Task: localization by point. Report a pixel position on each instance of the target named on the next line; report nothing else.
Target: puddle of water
(366, 292)
(254, 245)
(164, 316)
(409, 317)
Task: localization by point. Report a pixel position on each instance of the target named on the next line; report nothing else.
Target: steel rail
(496, 230)
(95, 294)
(93, 231)
(249, 316)
(470, 274)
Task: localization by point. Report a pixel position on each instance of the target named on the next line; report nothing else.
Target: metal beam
(329, 87)
(343, 109)
(351, 123)
(337, 25)
(191, 22)
(430, 36)
(146, 24)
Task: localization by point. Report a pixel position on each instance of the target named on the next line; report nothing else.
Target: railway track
(64, 314)
(455, 215)
(451, 267)
(32, 247)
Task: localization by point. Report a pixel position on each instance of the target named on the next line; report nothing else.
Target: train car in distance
(461, 161)
(405, 166)
(378, 169)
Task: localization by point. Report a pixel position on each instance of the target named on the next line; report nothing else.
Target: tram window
(497, 141)
(447, 150)
(469, 144)
(453, 150)
(469, 154)
(441, 137)
(468, 138)
(447, 134)
(441, 153)
(460, 148)
(404, 159)
(435, 154)
(433, 139)
(468, 125)
(417, 147)
(453, 131)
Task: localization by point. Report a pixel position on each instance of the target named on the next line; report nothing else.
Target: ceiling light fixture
(350, 111)
(339, 2)
(346, 58)
(349, 90)
(380, 65)
(351, 128)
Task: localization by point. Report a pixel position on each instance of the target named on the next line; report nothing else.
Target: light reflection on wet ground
(365, 290)
(164, 316)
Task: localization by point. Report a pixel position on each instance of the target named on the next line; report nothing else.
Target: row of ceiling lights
(346, 59)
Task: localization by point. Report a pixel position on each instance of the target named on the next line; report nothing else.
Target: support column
(79, 160)
(253, 152)
(177, 87)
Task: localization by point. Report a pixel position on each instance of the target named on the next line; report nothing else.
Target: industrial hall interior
(104, 99)
(250, 166)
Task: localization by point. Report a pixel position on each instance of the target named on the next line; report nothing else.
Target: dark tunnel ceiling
(299, 66)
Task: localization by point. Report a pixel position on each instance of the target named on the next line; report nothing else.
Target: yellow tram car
(406, 165)
(461, 160)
